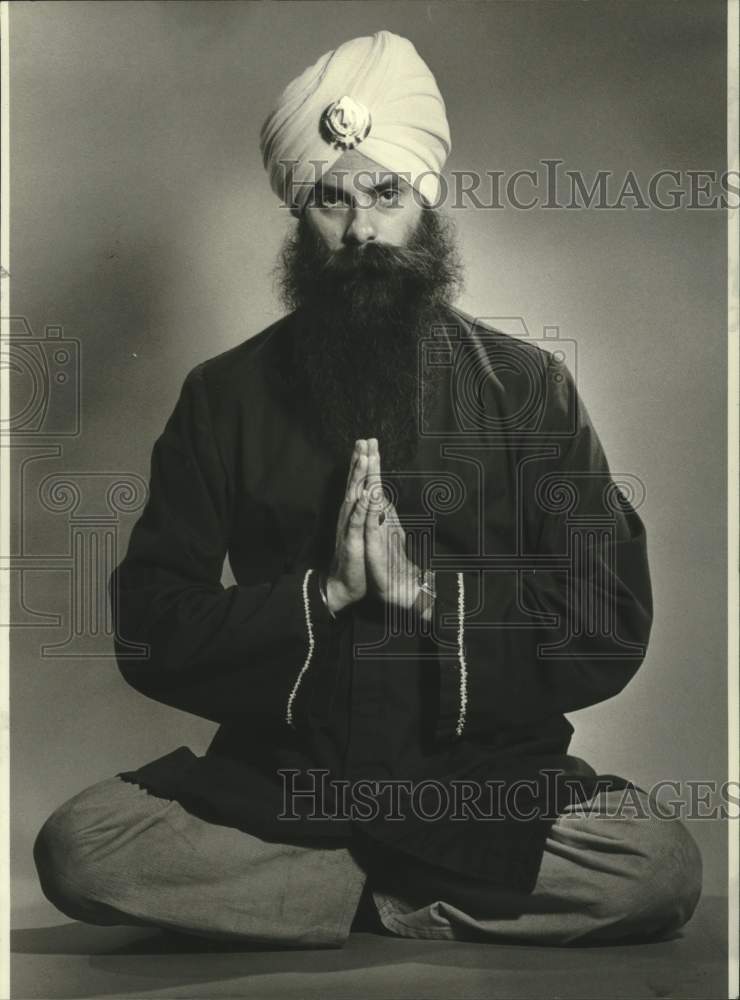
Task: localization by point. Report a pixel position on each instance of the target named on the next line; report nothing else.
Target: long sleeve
(220, 653)
(569, 626)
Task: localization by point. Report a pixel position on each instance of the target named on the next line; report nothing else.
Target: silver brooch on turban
(345, 123)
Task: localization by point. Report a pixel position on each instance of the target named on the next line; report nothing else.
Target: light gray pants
(114, 854)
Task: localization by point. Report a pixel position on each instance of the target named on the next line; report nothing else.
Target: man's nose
(361, 228)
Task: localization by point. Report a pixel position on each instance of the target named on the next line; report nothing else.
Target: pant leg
(603, 878)
(114, 854)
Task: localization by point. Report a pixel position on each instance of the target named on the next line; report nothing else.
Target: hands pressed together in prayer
(370, 546)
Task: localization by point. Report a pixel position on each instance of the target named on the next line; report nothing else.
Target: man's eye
(330, 199)
(389, 196)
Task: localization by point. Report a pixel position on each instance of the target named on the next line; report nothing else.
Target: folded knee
(67, 875)
(54, 853)
(660, 886)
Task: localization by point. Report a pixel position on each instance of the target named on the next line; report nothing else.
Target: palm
(347, 581)
(349, 549)
(391, 575)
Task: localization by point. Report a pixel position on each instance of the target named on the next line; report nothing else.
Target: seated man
(432, 565)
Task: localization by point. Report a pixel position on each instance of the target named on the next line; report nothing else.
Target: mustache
(376, 257)
(397, 276)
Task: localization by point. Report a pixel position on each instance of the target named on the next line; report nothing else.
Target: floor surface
(76, 960)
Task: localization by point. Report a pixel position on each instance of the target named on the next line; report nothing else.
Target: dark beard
(354, 362)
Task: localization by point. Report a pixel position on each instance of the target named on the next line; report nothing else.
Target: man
(432, 566)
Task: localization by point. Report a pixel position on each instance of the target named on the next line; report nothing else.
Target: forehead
(353, 170)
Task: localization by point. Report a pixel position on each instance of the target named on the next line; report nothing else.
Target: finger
(382, 495)
(374, 479)
(359, 475)
(392, 518)
(377, 501)
(377, 547)
(360, 449)
(357, 481)
(354, 505)
(358, 517)
(373, 524)
(352, 463)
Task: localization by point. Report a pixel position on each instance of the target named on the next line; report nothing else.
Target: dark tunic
(509, 487)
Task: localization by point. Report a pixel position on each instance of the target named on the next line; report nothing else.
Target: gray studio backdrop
(143, 236)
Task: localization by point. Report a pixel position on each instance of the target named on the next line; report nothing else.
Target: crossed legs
(114, 854)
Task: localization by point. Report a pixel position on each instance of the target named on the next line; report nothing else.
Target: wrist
(335, 595)
(324, 595)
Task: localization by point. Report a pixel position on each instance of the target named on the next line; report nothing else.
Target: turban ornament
(345, 123)
(375, 92)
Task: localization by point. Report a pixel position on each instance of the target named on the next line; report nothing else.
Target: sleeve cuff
(449, 614)
(460, 595)
(320, 628)
(320, 612)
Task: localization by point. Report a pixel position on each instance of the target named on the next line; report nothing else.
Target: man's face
(358, 202)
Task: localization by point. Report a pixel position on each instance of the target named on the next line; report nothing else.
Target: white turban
(375, 93)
